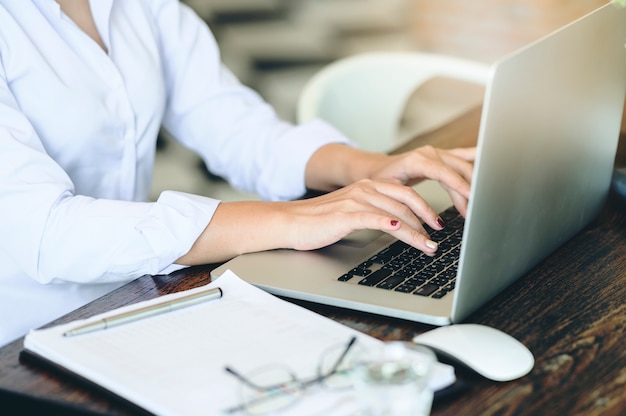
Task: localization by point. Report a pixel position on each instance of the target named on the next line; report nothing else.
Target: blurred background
(275, 46)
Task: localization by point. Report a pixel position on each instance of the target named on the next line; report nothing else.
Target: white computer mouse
(486, 350)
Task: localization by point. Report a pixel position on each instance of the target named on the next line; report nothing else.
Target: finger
(416, 239)
(401, 231)
(444, 166)
(457, 178)
(408, 205)
(465, 153)
(459, 201)
(459, 165)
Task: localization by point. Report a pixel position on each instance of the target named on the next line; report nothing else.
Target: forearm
(237, 228)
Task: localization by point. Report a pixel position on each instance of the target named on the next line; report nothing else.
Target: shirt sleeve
(238, 134)
(55, 235)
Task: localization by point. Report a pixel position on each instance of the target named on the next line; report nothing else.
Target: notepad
(173, 364)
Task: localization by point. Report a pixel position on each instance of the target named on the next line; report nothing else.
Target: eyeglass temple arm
(343, 354)
(334, 368)
(245, 380)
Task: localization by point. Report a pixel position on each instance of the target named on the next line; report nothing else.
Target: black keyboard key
(428, 273)
(447, 245)
(437, 235)
(345, 277)
(391, 282)
(380, 259)
(439, 281)
(398, 247)
(418, 279)
(426, 290)
(448, 274)
(376, 277)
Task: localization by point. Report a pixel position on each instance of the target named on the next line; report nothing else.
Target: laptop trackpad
(360, 238)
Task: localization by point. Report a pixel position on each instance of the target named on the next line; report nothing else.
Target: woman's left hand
(451, 168)
(336, 165)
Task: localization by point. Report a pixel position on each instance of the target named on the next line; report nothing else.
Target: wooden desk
(570, 310)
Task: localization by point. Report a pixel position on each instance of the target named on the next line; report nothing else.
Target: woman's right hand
(249, 226)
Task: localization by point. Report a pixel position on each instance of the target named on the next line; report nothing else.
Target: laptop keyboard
(403, 268)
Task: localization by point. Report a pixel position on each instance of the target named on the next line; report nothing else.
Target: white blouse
(78, 128)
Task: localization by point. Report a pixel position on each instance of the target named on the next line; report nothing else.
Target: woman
(85, 87)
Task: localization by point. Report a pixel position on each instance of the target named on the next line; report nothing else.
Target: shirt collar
(101, 11)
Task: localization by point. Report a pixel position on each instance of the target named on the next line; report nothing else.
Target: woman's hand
(249, 226)
(366, 204)
(451, 168)
(335, 165)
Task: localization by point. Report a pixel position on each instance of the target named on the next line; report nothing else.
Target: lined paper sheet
(173, 364)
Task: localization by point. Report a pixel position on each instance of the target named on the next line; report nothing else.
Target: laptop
(546, 148)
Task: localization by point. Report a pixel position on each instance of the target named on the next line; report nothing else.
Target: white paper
(173, 364)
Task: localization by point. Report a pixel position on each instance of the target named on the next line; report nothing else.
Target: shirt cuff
(173, 225)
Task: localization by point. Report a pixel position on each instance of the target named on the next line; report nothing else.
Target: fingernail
(440, 222)
(431, 244)
(394, 223)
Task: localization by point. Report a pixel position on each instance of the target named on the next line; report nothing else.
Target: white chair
(365, 95)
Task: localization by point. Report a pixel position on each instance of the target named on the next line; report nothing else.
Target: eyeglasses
(273, 388)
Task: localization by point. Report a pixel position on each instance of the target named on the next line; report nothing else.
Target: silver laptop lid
(547, 144)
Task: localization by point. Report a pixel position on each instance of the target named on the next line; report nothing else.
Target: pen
(146, 312)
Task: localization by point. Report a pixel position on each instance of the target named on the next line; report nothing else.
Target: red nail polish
(394, 223)
(440, 222)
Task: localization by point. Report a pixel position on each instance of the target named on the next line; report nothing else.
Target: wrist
(238, 228)
(336, 165)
